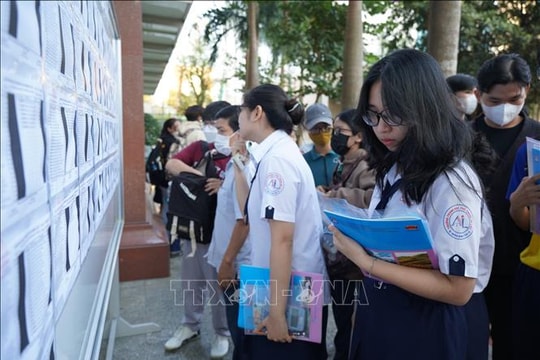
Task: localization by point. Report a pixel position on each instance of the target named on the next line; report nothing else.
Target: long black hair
(413, 88)
(166, 125)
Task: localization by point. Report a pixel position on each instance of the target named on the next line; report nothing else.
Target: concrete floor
(152, 301)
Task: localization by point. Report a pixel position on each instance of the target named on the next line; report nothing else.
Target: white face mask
(468, 104)
(501, 114)
(221, 143)
(210, 132)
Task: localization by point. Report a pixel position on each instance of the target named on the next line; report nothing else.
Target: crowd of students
(444, 148)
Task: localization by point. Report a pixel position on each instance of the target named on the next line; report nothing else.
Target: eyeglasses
(321, 130)
(345, 132)
(372, 118)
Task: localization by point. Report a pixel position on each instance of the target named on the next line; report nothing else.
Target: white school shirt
(459, 221)
(284, 190)
(227, 213)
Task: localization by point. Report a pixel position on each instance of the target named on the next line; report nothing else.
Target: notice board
(61, 175)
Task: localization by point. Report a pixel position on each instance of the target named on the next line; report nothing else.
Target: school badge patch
(274, 183)
(457, 222)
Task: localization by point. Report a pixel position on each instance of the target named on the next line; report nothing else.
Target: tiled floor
(145, 301)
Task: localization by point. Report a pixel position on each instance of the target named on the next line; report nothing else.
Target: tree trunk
(252, 60)
(353, 56)
(443, 33)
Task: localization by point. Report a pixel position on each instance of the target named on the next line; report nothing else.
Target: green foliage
(152, 129)
(308, 35)
(229, 18)
(311, 37)
(488, 28)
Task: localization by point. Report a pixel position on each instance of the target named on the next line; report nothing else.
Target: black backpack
(191, 209)
(154, 166)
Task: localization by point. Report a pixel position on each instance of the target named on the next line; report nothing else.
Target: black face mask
(339, 144)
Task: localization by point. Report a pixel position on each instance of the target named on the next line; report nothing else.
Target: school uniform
(227, 213)
(394, 323)
(196, 271)
(283, 189)
(353, 181)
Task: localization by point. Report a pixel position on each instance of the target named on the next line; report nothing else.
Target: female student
(353, 181)
(419, 147)
(284, 226)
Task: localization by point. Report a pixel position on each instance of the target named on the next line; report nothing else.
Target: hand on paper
(527, 194)
(276, 328)
(322, 189)
(212, 185)
(348, 246)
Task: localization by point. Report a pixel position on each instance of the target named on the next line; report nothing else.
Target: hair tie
(294, 107)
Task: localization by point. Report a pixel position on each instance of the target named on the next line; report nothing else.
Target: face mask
(339, 144)
(221, 143)
(321, 139)
(501, 114)
(468, 104)
(210, 132)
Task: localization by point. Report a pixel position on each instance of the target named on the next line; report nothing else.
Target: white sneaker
(220, 347)
(181, 336)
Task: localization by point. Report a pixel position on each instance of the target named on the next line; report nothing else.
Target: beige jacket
(359, 185)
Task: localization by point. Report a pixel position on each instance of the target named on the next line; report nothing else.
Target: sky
(184, 47)
(230, 91)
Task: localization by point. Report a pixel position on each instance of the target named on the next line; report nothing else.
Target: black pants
(526, 313)
(237, 334)
(342, 292)
(260, 348)
(498, 295)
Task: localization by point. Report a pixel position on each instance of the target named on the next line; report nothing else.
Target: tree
(443, 34)
(487, 28)
(194, 80)
(152, 129)
(307, 38)
(311, 39)
(252, 59)
(353, 56)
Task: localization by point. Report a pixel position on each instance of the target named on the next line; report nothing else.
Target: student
(321, 159)
(194, 114)
(168, 140)
(208, 117)
(524, 192)
(418, 146)
(353, 181)
(191, 129)
(196, 268)
(284, 224)
(464, 88)
(503, 84)
(228, 248)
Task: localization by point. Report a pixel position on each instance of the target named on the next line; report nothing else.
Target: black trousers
(260, 348)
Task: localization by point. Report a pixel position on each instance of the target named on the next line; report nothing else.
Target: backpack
(191, 209)
(154, 167)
